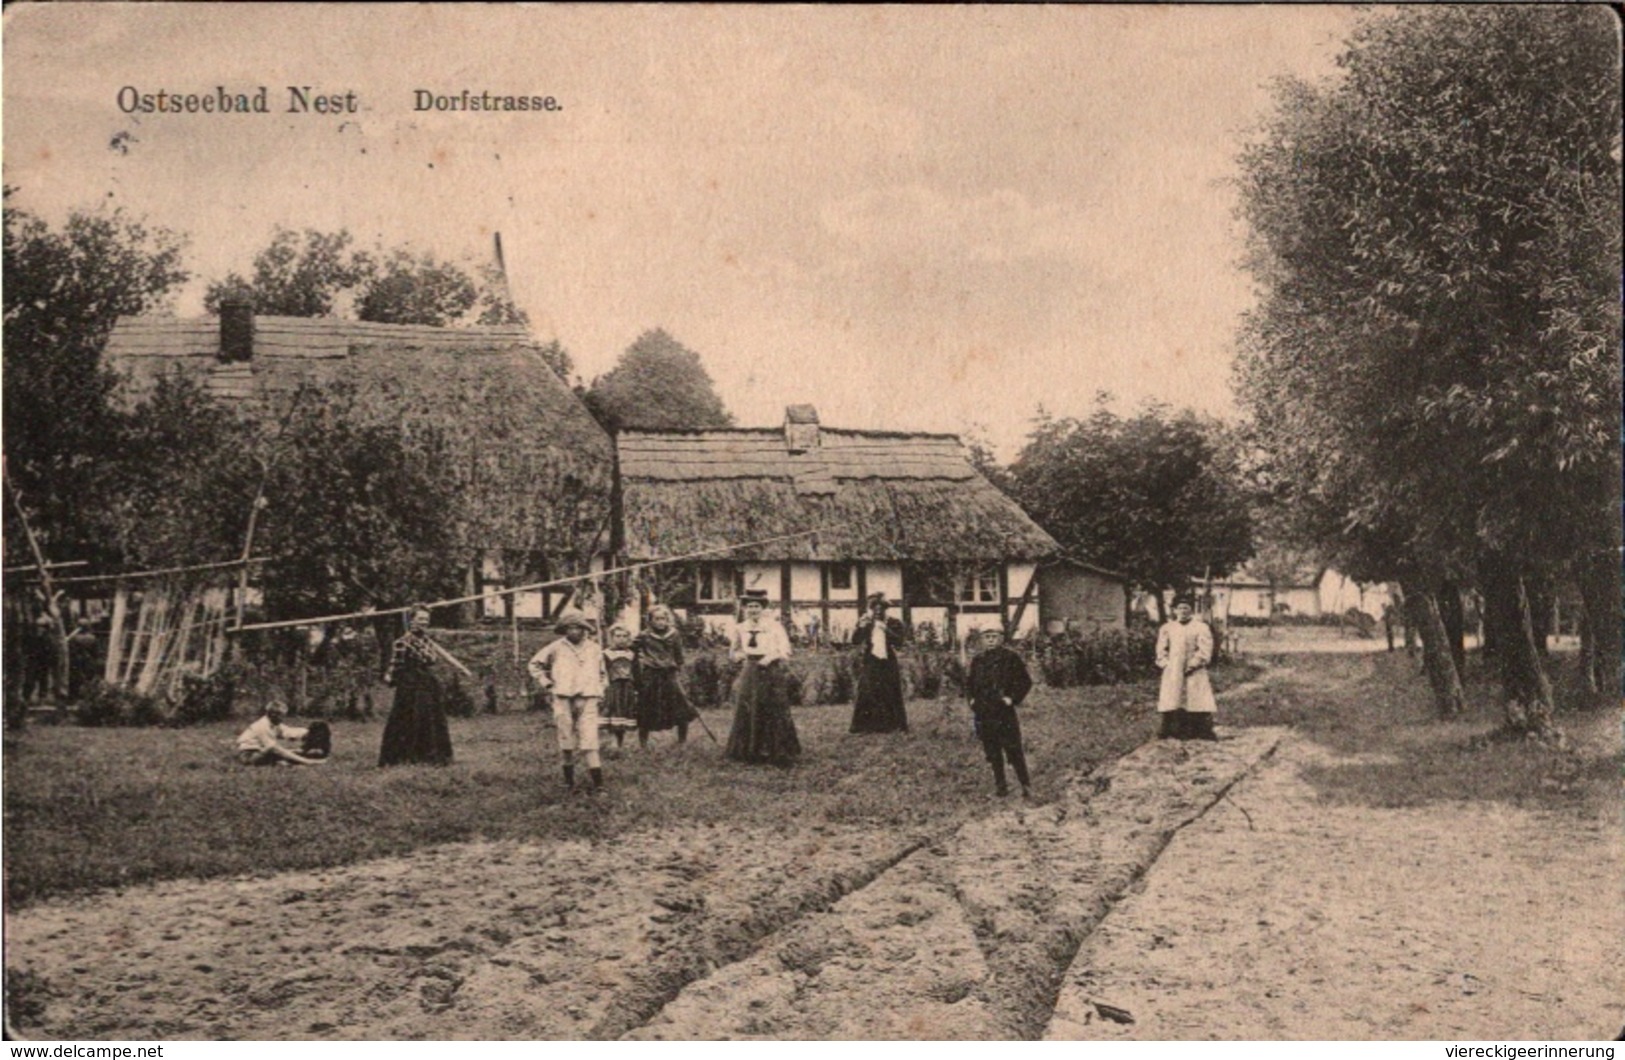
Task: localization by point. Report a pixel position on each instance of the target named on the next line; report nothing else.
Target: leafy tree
(496, 306)
(1156, 495)
(1434, 364)
(980, 452)
(413, 288)
(64, 289)
(300, 274)
(558, 358)
(357, 512)
(183, 479)
(307, 274)
(659, 383)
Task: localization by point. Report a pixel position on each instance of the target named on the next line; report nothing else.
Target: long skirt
(661, 702)
(619, 711)
(416, 732)
(879, 706)
(763, 730)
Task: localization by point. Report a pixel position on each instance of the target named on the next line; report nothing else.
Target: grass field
(1378, 706)
(94, 808)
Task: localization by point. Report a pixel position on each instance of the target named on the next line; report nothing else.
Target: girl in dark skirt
(620, 710)
(662, 704)
(763, 730)
(416, 731)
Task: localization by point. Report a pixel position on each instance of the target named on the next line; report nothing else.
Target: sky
(914, 218)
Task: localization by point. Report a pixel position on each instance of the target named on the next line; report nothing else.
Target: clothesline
(533, 587)
(80, 578)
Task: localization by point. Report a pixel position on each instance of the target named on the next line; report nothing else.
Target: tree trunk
(1599, 584)
(1455, 623)
(1437, 661)
(1525, 687)
(1162, 607)
(1541, 602)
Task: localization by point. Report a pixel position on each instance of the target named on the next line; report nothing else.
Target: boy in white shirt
(261, 743)
(571, 672)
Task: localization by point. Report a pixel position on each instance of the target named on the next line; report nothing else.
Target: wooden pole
(115, 639)
(44, 570)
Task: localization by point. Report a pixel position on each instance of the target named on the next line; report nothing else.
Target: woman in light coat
(1184, 653)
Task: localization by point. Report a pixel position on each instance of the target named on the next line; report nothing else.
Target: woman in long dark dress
(763, 730)
(661, 702)
(416, 731)
(879, 706)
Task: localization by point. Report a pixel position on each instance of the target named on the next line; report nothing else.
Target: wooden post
(51, 607)
(115, 639)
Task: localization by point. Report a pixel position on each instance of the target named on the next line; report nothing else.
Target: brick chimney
(236, 330)
(800, 428)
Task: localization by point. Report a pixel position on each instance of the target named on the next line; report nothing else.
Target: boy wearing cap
(997, 683)
(571, 671)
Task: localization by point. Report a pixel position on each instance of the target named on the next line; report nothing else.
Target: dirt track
(1267, 912)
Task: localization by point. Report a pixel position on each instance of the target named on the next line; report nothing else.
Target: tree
(1156, 496)
(1434, 362)
(307, 273)
(358, 513)
(300, 274)
(410, 288)
(558, 358)
(65, 288)
(659, 383)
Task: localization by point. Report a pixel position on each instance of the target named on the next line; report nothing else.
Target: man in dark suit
(997, 684)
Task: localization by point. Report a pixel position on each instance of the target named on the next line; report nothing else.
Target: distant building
(898, 513)
(1079, 597)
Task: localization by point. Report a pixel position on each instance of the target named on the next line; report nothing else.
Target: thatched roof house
(534, 468)
(899, 513)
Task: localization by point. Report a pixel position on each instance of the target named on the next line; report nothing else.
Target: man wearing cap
(879, 704)
(261, 743)
(571, 671)
(1184, 652)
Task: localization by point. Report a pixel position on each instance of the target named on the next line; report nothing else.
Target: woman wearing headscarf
(879, 704)
(763, 730)
(416, 732)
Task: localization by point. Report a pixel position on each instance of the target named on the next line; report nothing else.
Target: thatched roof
(534, 465)
(872, 495)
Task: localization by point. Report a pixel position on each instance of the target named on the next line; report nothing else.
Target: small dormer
(800, 428)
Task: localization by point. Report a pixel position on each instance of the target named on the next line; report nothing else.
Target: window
(840, 576)
(714, 583)
(980, 586)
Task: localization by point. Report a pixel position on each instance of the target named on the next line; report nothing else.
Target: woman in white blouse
(763, 730)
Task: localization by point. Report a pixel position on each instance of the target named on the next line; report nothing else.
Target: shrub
(1100, 657)
(708, 679)
(932, 673)
(459, 701)
(204, 699)
(115, 705)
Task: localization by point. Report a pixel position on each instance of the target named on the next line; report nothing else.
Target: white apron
(1181, 646)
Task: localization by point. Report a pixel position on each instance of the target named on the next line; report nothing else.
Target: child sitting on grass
(261, 743)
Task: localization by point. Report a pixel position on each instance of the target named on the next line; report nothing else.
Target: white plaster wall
(806, 581)
(884, 578)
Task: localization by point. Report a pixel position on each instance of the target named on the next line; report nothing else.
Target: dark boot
(1169, 728)
(1201, 726)
(1000, 788)
(597, 776)
(569, 778)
